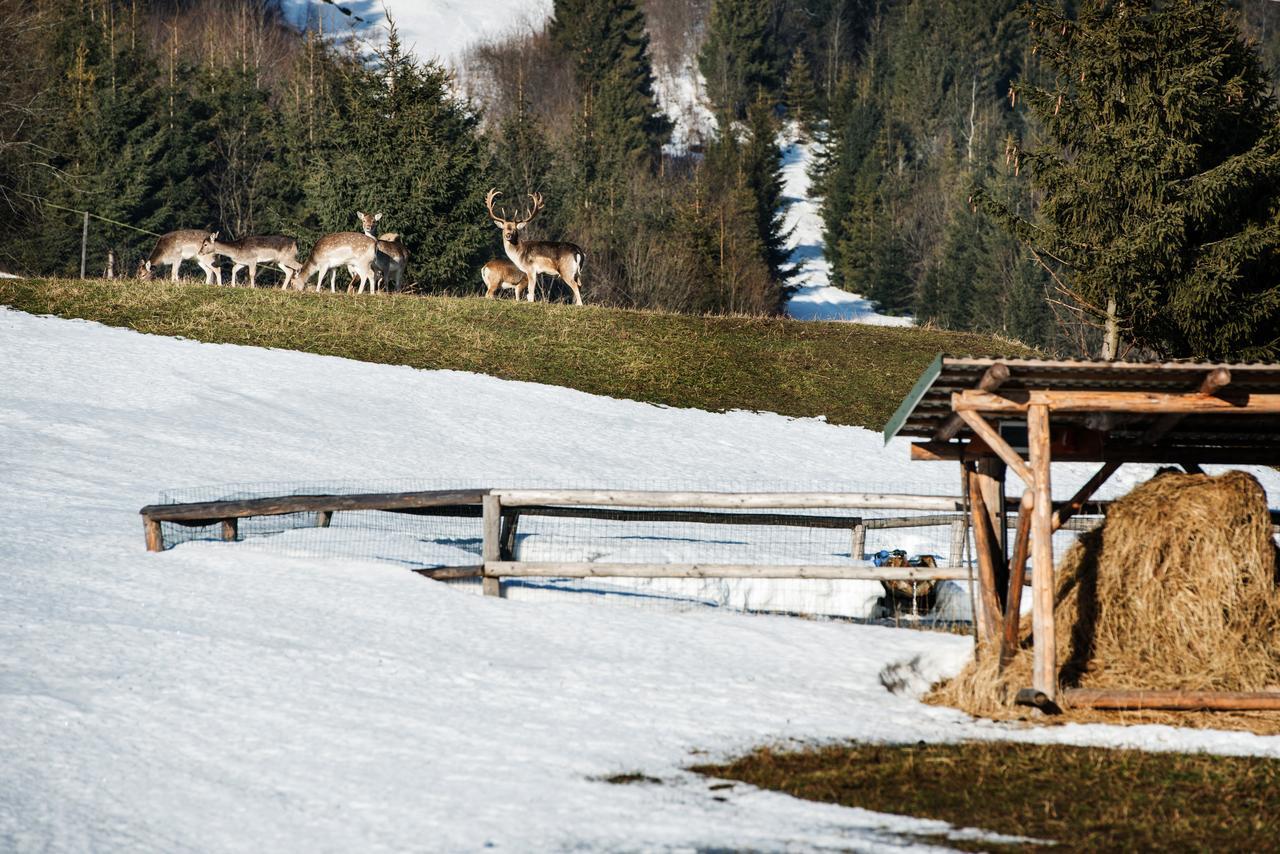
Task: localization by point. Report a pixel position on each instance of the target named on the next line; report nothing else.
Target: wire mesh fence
(452, 536)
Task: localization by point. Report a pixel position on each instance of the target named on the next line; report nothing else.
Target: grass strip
(849, 373)
(1083, 798)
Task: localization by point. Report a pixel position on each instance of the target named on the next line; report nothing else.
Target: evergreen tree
(739, 57)
(1160, 174)
(802, 98)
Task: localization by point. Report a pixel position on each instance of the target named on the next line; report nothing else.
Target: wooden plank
(230, 530)
(858, 542)
(218, 510)
(1044, 662)
(1073, 505)
(995, 442)
(452, 573)
(990, 474)
(724, 500)
(154, 534)
(1256, 454)
(794, 520)
(554, 569)
(989, 619)
(1186, 403)
(992, 378)
(1017, 577)
(491, 542)
(1220, 701)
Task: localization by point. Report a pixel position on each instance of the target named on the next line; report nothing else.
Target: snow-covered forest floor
(215, 697)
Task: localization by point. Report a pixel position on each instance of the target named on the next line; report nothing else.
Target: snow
(815, 298)
(217, 697)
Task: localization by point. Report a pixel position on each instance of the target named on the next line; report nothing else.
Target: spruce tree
(1160, 173)
(802, 98)
(739, 57)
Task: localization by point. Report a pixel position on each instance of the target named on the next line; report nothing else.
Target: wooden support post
(988, 599)
(491, 542)
(992, 379)
(1017, 577)
(995, 442)
(959, 534)
(858, 542)
(230, 528)
(324, 518)
(1045, 661)
(507, 542)
(990, 474)
(1072, 507)
(155, 536)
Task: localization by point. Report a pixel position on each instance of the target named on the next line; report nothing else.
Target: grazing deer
(177, 246)
(538, 256)
(252, 251)
(347, 249)
(500, 273)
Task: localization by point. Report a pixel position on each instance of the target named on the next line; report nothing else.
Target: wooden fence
(500, 512)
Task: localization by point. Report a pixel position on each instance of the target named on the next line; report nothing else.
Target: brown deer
(177, 246)
(500, 273)
(538, 256)
(391, 257)
(347, 249)
(252, 251)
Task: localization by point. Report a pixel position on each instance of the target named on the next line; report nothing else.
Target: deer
(391, 257)
(501, 273)
(348, 249)
(532, 257)
(177, 246)
(252, 251)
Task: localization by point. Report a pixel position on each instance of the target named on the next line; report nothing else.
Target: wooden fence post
(230, 528)
(959, 534)
(491, 542)
(858, 546)
(155, 536)
(1045, 656)
(324, 518)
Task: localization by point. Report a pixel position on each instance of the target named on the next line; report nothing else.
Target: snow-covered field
(218, 698)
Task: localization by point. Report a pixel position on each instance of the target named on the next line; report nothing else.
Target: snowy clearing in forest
(219, 698)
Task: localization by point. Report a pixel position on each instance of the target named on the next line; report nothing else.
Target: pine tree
(802, 98)
(1160, 174)
(739, 56)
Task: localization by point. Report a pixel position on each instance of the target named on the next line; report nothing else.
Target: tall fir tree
(1161, 176)
(739, 57)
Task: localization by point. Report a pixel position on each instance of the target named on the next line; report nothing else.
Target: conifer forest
(1089, 177)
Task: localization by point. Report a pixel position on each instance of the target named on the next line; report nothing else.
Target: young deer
(177, 246)
(391, 257)
(538, 256)
(500, 273)
(343, 249)
(252, 251)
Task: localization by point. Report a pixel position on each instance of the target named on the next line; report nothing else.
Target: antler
(537, 206)
(488, 202)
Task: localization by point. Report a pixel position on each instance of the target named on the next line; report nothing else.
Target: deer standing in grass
(177, 246)
(532, 257)
(389, 260)
(500, 273)
(251, 251)
(347, 249)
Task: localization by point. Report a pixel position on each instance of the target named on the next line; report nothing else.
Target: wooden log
(154, 534)
(1112, 451)
(1017, 577)
(393, 501)
(491, 545)
(507, 541)
(996, 442)
(1044, 662)
(992, 378)
(989, 619)
(794, 520)
(1074, 504)
(858, 542)
(324, 518)
(230, 530)
(1212, 701)
(581, 569)
(726, 500)
(959, 536)
(1153, 402)
(1037, 699)
(990, 476)
(1213, 382)
(452, 573)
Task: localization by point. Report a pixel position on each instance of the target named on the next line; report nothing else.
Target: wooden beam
(1017, 577)
(996, 442)
(393, 501)
(1083, 494)
(1214, 381)
(1036, 699)
(1219, 701)
(992, 378)
(491, 541)
(581, 569)
(723, 500)
(1142, 402)
(1128, 453)
(989, 619)
(1044, 662)
(991, 476)
(154, 534)
(786, 520)
(452, 573)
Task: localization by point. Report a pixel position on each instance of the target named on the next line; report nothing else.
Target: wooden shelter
(997, 415)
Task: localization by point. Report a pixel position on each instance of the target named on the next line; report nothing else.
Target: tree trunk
(1111, 340)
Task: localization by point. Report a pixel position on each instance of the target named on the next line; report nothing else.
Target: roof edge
(917, 393)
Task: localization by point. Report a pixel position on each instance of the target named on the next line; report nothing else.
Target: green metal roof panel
(918, 391)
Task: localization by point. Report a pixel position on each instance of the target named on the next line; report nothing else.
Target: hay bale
(1177, 589)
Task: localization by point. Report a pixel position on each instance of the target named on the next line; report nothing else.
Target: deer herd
(372, 259)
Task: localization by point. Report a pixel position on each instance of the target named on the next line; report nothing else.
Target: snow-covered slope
(217, 698)
(815, 298)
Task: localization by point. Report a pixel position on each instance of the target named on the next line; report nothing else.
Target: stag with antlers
(538, 256)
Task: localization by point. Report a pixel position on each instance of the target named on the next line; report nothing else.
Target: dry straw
(1177, 590)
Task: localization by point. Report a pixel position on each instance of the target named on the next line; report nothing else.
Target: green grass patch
(850, 373)
(1085, 799)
